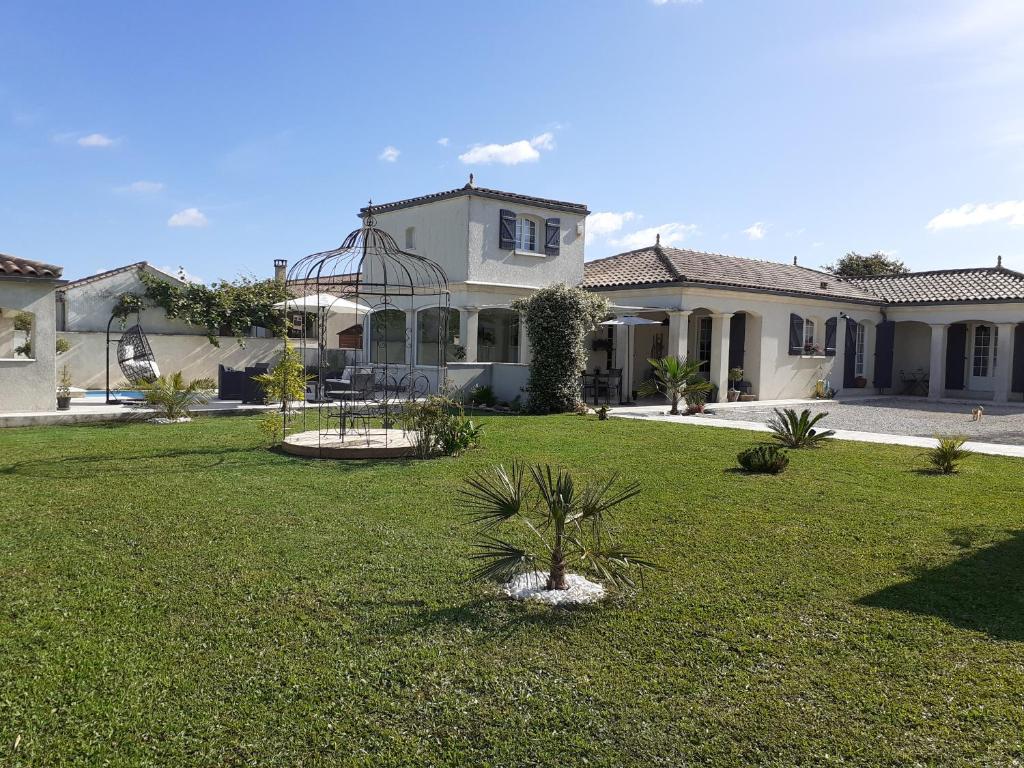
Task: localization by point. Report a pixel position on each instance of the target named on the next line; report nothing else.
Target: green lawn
(180, 596)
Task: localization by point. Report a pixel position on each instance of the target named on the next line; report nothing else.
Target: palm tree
(567, 523)
(675, 379)
(173, 396)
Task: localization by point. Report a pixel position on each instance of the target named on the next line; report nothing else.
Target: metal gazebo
(401, 302)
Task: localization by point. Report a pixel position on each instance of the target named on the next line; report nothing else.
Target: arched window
(497, 337)
(526, 234)
(387, 336)
(410, 238)
(433, 326)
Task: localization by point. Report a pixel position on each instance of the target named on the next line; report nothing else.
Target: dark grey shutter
(885, 335)
(850, 354)
(506, 229)
(796, 335)
(830, 337)
(1017, 385)
(552, 236)
(956, 355)
(737, 339)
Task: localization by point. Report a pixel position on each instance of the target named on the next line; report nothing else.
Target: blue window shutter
(796, 335)
(1017, 382)
(506, 229)
(552, 236)
(850, 354)
(830, 337)
(956, 355)
(885, 335)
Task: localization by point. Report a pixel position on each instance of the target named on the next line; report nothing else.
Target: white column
(720, 353)
(525, 353)
(1004, 362)
(468, 325)
(937, 365)
(838, 371)
(678, 333)
(624, 344)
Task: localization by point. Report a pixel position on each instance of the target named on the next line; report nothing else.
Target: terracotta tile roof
(981, 284)
(493, 194)
(658, 264)
(12, 265)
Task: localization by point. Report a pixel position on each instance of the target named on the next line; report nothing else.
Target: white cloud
(973, 214)
(521, 151)
(756, 231)
(389, 154)
(190, 217)
(671, 233)
(606, 222)
(143, 187)
(96, 140)
(443, 141)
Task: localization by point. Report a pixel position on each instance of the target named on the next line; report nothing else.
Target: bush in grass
(482, 394)
(763, 459)
(173, 397)
(558, 319)
(568, 526)
(797, 430)
(946, 457)
(438, 426)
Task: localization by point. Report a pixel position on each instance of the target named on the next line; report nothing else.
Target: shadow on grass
(982, 591)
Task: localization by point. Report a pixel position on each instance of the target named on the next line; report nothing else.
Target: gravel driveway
(905, 417)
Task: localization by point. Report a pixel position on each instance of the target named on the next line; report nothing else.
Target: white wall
(88, 306)
(490, 264)
(441, 230)
(911, 350)
(194, 356)
(30, 384)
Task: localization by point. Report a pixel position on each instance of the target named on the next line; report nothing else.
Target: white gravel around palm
(531, 586)
(164, 420)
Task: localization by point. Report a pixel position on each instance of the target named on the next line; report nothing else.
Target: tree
(569, 524)
(855, 265)
(558, 319)
(675, 379)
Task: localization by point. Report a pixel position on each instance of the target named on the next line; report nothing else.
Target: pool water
(127, 394)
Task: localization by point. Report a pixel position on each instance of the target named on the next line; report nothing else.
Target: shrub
(763, 459)
(675, 379)
(272, 427)
(482, 394)
(558, 319)
(62, 346)
(173, 397)
(945, 457)
(439, 426)
(797, 431)
(565, 524)
(602, 413)
(286, 381)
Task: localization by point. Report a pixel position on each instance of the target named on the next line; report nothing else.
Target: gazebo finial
(369, 221)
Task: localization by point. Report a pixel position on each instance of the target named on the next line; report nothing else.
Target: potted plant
(860, 382)
(64, 390)
(735, 377)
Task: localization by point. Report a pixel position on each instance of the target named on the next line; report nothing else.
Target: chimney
(280, 269)
(794, 262)
(999, 262)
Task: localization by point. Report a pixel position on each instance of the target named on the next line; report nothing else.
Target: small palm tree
(947, 455)
(797, 431)
(568, 524)
(675, 379)
(171, 395)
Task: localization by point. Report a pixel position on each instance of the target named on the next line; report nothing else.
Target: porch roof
(658, 265)
(947, 286)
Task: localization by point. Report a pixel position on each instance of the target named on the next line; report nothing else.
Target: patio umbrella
(629, 320)
(323, 301)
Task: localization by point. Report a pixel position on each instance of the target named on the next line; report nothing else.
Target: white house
(952, 333)
(28, 377)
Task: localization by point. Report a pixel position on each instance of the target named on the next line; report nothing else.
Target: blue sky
(220, 136)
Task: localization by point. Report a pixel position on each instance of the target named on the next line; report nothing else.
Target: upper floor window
(809, 347)
(526, 235)
(410, 238)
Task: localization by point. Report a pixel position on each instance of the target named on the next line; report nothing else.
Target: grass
(179, 596)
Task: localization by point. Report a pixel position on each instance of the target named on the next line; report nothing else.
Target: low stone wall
(194, 356)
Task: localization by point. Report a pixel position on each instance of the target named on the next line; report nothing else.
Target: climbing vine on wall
(227, 308)
(558, 319)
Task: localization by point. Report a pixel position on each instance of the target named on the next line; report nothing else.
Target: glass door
(984, 339)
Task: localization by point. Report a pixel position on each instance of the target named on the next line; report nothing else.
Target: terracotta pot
(733, 395)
